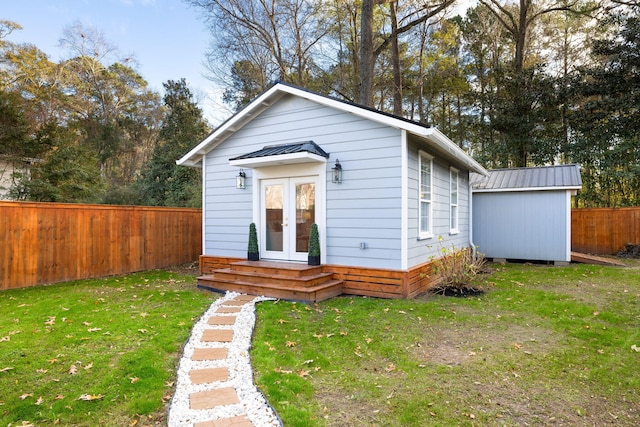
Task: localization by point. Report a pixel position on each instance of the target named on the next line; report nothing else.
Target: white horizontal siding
(422, 250)
(366, 207)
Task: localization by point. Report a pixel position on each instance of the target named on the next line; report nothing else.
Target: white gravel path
(252, 404)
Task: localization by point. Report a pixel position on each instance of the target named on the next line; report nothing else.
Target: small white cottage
(525, 213)
(382, 190)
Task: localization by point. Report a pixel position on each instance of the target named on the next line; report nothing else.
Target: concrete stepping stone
(228, 309)
(226, 422)
(222, 320)
(200, 354)
(209, 399)
(209, 375)
(217, 335)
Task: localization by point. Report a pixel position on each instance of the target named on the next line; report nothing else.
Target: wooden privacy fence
(55, 242)
(604, 230)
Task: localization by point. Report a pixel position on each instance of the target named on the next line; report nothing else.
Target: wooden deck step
(290, 281)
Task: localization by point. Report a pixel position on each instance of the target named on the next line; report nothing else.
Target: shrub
(457, 268)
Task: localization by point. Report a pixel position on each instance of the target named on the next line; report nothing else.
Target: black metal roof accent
(276, 150)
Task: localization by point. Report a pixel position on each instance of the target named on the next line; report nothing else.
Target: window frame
(454, 208)
(428, 232)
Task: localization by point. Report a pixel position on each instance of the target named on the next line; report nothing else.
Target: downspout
(473, 246)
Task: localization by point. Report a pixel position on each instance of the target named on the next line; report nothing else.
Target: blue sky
(167, 37)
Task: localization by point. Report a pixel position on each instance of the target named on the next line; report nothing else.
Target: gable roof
(560, 177)
(420, 131)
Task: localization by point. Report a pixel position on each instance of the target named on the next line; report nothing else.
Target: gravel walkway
(215, 381)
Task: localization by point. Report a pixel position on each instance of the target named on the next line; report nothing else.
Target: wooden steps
(290, 281)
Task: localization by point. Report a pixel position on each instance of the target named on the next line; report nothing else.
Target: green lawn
(99, 352)
(543, 346)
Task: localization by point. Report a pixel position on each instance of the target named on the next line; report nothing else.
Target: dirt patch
(341, 409)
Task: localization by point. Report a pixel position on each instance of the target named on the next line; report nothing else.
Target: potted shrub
(252, 252)
(314, 246)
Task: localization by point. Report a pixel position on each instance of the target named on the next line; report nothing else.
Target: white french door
(288, 208)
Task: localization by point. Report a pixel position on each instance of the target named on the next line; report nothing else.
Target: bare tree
(369, 53)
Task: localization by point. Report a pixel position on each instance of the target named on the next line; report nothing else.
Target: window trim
(456, 229)
(428, 233)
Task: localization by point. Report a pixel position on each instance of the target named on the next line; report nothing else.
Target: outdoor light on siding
(337, 173)
(240, 179)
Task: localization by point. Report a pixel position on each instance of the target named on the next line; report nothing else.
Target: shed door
(288, 210)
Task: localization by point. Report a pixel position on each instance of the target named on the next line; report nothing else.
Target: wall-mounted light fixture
(337, 173)
(240, 180)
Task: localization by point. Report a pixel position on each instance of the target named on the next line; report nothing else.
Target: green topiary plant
(253, 254)
(314, 246)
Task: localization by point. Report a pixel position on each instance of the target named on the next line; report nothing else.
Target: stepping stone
(234, 302)
(209, 354)
(217, 335)
(209, 399)
(245, 298)
(228, 310)
(209, 375)
(226, 422)
(222, 320)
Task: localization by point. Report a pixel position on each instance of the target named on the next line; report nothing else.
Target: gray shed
(525, 213)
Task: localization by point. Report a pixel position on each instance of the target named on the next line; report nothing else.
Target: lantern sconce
(240, 180)
(337, 173)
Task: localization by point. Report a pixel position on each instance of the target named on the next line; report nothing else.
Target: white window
(453, 200)
(426, 193)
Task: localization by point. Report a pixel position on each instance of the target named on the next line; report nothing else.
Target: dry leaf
(143, 331)
(42, 371)
(303, 373)
(25, 395)
(134, 379)
(52, 361)
(5, 369)
(143, 314)
(343, 333)
(59, 397)
(90, 397)
(89, 366)
(318, 336)
(40, 401)
(281, 321)
(86, 323)
(290, 343)
(50, 321)
(94, 329)
(73, 370)
(635, 348)
(133, 423)
(390, 368)
(7, 338)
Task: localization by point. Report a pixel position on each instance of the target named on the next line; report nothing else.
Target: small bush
(457, 269)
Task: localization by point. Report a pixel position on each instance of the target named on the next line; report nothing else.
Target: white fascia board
(521, 189)
(442, 141)
(281, 159)
(233, 124)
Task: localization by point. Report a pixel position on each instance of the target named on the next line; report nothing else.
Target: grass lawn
(543, 346)
(99, 352)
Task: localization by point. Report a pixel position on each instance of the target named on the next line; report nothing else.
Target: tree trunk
(366, 53)
(395, 61)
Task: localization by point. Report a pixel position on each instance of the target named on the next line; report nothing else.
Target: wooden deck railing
(54, 242)
(604, 231)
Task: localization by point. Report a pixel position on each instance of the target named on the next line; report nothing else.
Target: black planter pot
(314, 260)
(253, 256)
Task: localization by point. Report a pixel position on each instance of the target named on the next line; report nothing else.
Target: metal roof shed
(525, 213)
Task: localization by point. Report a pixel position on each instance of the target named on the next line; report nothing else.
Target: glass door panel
(274, 216)
(305, 214)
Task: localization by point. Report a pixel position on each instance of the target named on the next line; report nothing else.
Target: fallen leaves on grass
(635, 348)
(134, 379)
(6, 369)
(73, 369)
(90, 397)
(40, 401)
(290, 343)
(25, 395)
(7, 338)
(94, 329)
